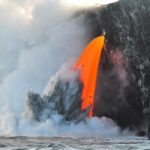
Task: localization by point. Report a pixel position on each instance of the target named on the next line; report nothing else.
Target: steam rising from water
(33, 51)
(36, 38)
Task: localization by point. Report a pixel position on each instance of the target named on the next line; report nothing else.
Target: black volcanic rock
(127, 24)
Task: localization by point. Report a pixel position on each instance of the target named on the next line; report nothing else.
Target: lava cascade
(87, 64)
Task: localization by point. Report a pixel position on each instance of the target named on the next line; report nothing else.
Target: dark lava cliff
(127, 25)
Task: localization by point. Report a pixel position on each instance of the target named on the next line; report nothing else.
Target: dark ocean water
(66, 143)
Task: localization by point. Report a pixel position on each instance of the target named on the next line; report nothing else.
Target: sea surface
(66, 143)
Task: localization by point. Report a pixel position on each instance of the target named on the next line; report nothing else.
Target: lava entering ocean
(38, 36)
(88, 65)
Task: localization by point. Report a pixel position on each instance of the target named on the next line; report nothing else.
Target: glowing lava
(87, 64)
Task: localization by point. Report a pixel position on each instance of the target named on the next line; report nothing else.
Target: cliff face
(127, 25)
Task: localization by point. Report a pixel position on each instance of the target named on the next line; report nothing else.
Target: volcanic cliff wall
(127, 25)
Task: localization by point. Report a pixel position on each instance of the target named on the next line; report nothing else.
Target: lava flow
(87, 64)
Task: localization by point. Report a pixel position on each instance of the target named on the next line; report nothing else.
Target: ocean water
(72, 143)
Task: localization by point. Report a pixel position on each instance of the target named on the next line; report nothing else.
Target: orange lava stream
(87, 64)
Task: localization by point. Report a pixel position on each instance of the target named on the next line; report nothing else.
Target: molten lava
(87, 64)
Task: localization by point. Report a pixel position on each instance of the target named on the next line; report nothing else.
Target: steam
(113, 85)
(37, 37)
(33, 51)
(120, 64)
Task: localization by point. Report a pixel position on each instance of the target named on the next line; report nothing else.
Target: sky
(89, 3)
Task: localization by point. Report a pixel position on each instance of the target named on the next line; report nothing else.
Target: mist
(32, 49)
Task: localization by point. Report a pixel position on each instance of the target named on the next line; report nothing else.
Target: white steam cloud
(33, 49)
(36, 37)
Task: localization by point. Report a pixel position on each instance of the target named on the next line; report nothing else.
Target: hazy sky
(84, 3)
